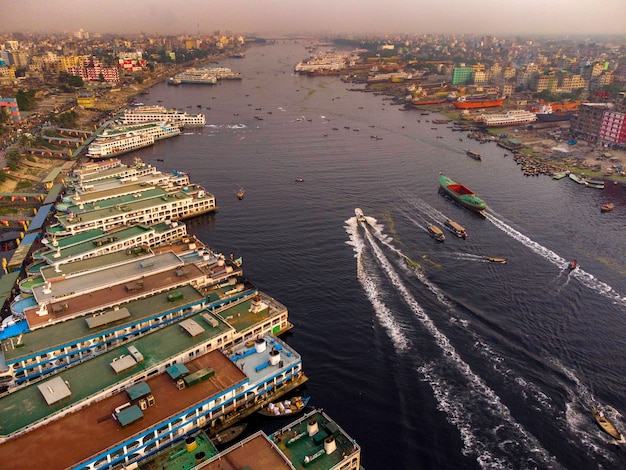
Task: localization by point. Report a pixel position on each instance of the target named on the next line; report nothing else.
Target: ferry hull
(474, 104)
(555, 117)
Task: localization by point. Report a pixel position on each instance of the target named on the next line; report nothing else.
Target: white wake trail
(478, 386)
(587, 279)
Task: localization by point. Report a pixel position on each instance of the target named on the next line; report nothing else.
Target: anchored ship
(193, 76)
(510, 118)
(107, 147)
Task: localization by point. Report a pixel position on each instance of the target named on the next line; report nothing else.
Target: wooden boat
(436, 233)
(576, 178)
(289, 407)
(240, 194)
(607, 207)
(572, 264)
(606, 425)
(229, 434)
(456, 229)
(474, 155)
(559, 175)
(496, 260)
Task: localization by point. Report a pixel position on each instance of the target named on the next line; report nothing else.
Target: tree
(25, 100)
(75, 81)
(67, 119)
(13, 158)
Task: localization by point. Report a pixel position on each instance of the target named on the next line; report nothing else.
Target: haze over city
(558, 17)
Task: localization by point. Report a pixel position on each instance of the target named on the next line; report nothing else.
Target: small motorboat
(473, 154)
(360, 218)
(606, 425)
(456, 229)
(241, 194)
(572, 265)
(289, 407)
(607, 207)
(229, 434)
(493, 259)
(299, 180)
(436, 233)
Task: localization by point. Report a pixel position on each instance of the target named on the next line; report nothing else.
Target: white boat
(194, 76)
(360, 218)
(107, 147)
(223, 73)
(510, 118)
(161, 113)
(576, 178)
(158, 129)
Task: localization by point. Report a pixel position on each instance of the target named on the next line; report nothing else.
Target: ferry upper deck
(112, 285)
(81, 401)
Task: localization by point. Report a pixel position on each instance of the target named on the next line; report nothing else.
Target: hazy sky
(313, 16)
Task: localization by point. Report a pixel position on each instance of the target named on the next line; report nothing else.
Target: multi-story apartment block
(480, 77)
(613, 128)
(461, 75)
(68, 62)
(589, 120)
(541, 82)
(568, 82)
(509, 73)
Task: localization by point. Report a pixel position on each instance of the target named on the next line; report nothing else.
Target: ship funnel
(312, 427)
(274, 357)
(260, 345)
(330, 445)
(190, 444)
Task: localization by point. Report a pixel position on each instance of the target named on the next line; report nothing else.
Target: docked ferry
(107, 147)
(223, 73)
(468, 103)
(160, 130)
(513, 117)
(314, 440)
(193, 76)
(160, 113)
(144, 396)
(152, 206)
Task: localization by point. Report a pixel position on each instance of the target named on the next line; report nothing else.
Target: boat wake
(466, 399)
(585, 278)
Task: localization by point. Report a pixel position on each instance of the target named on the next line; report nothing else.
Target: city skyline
(528, 17)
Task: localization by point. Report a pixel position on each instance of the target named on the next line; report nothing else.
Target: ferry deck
(80, 401)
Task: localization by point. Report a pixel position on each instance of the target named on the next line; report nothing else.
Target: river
(446, 361)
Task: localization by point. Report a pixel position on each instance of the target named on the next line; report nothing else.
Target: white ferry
(145, 396)
(223, 73)
(160, 130)
(107, 147)
(160, 113)
(510, 118)
(151, 207)
(193, 76)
